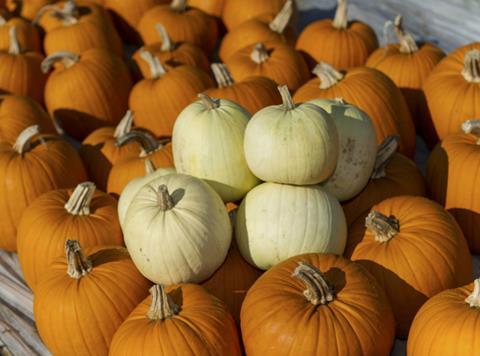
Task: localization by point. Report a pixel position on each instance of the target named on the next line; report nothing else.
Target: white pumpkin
(291, 144)
(208, 143)
(358, 149)
(132, 188)
(278, 221)
(177, 230)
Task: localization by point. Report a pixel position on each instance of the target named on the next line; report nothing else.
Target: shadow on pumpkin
(97, 164)
(108, 255)
(468, 221)
(128, 33)
(79, 124)
(336, 278)
(177, 296)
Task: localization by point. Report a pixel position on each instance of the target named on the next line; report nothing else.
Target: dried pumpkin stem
(385, 152)
(474, 299)
(286, 97)
(42, 12)
(178, 5)
(405, 39)
(259, 53)
(14, 48)
(81, 198)
(222, 75)
(383, 227)
(24, 140)
(281, 20)
(68, 14)
(68, 59)
(149, 167)
(209, 102)
(471, 66)
(328, 75)
(472, 127)
(164, 199)
(78, 265)
(125, 125)
(162, 307)
(167, 44)
(157, 70)
(3, 21)
(319, 291)
(148, 142)
(340, 21)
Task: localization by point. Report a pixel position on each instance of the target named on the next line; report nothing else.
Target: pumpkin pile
(196, 177)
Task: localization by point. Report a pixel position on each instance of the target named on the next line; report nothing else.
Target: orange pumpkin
(20, 71)
(264, 28)
(27, 8)
(448, 324)
(438, 256)
(182, 320)
(370, 90)
(276, 61)
(158, 99)
(158, 152)
(253, 93)
(409, 65)
(27, 35)
(99, 96)
(453, 179)
(457, 75)
(317, 304)
(183, 24)
(84, 297)
(33, 165)
(343, 43)
(211, 7)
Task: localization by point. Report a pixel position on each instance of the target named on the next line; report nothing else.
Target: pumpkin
(183, 24)
(253, 93)
(409, 65)
(33, 165)
(458, 75)
(177, 230)
(276, 61)
(208, 143)
(20, 70)
(158, 151)
(278, 221)
(19, 112)
(158, 99)
(100, 150)
(453, 179)
(81, 213)
(211, 7)
(27, 8)
(291, 144)
(264, 28)
(344, 44)
(98, 98)
(371, 91)
(438, 256)
(180, 320)
(317, 304)
(171, 54)
(357, 150)
(448, 324)
(27, 35)
(393, 175)
(82, 299)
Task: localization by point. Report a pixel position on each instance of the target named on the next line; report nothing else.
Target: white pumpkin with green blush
(357, 149)
(177, 230)
(207, 143)
(278, 221)
(291, 144)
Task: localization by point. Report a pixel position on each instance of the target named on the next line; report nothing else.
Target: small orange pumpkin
(211, 7)
(27, 34)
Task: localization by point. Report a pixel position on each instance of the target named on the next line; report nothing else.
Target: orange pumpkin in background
(211, 7)
(27, 35)
(27, 9)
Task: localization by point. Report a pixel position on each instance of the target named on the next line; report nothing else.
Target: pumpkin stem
(68, 14)
(471, 66)
(79, 202)
(23, 142)
(383, 227)
(3, 21)
(319, 291)
(78, 265)
(125, 125)
(474, 299)
(222, 75)
(68, 59)
(340, 21)
(259, 53)
(148, 142)
(281, 20)
(42, 12)
(14, 48)
(167, 44)
(162, 307)
(405, 39)
(209, 102)
(385, 152)
(164, 199)
(328, 75)
(149, 167)
(472, 127)
(157, 70)
(178, 5)
(288, 103)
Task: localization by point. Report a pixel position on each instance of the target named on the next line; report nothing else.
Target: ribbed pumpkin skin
(409, 72)
(236, 12)
(157, 102)
(453, 182)
(99, 96)
(438, 256)
(46, 225)
(276, 316)
(80, 316)
(211, 7)
(340, 48)
(461, 103)
(376, 94)
(402, 178)
(445, 326)
(19, 112)
(203, 327)
(27, 35)
(28, 8)
(53, 164)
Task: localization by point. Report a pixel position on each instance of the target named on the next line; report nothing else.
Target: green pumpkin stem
(81, 198)
(286, 97)
(472, 127)
(405, 39)
(164, 199)
(259, 54)
(24, 140)
(78, 265)
(68, 59)
(385, 152)
(125, 125)
(383, 227)
(222, 75)
(148, 142)
(162, 307)
(474, 299)
(149, 167)
(209, 102)
(178, 5)
(340, 21)
(281, 20)
(167, 44)
(319, 291)
(471, 66)
(328, 75)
